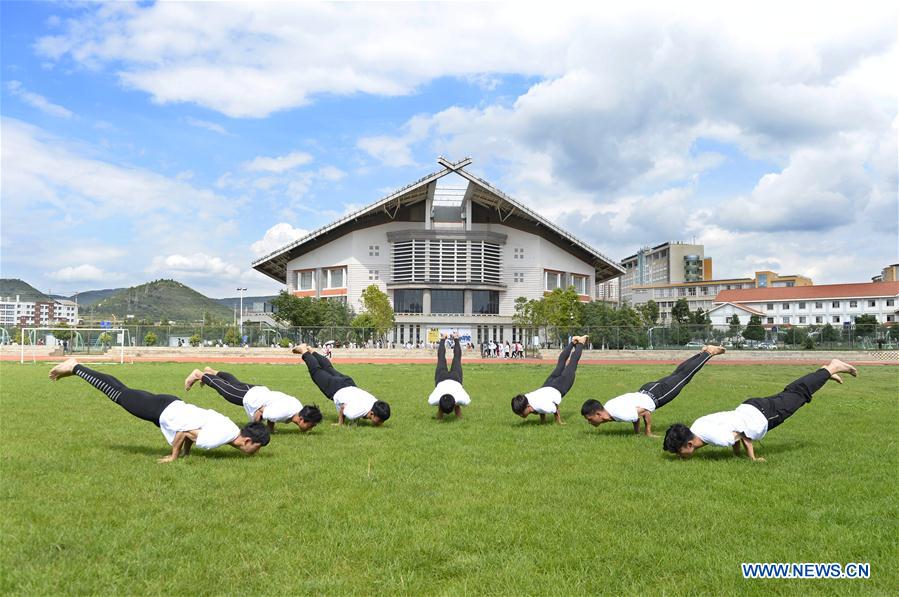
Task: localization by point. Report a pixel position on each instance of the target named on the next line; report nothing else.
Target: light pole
(240, 319)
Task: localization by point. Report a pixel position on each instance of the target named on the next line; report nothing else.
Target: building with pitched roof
(451, 255)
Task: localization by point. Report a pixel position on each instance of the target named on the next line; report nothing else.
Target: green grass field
(489, 504)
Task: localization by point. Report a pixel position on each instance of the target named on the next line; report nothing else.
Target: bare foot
(838, 366)
(64, 369)
(195, 376)
(579, 339)
(836, 378)
(299, 348)
(713, 350)
(210, 371)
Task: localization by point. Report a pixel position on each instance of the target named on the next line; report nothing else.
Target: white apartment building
(448, 255)
(14, 312)
(836, 304)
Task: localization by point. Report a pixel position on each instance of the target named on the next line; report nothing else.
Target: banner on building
(435, 333)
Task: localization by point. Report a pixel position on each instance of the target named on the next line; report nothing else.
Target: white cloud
(390, 151)
(278, 164)
(197, 264)
(37, 101)
(205, 124)
(276, 237)
(83, 273)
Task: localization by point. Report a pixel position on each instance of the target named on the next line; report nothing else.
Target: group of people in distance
(184, 425)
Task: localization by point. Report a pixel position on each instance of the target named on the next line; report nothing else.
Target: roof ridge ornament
(454, 166)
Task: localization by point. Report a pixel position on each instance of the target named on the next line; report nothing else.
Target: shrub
(150, 339)
(194, 340)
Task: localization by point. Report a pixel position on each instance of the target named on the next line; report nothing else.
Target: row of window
(411, 300)
(819, 319)
(833, 304)
(331, 278)
(553, 280)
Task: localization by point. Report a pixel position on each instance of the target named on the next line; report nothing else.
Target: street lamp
(240, 320)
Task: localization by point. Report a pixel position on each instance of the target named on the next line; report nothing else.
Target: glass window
(518, 253)
(890, 302)
(785, 306)
(872, 303)
(770, 306)
(580, 284)
(835, 304)
(518, 276)
(853, 303)
(373, 274)
(447, 301)
(770, 320)
(485, 302)
(819, 319)
(304, 281)
(374, 250)
(890, 318)
(802, 305)
(553, 280)
(836, 319)
(335, 278)
(407, 301)
(801, 319)
(785, 320)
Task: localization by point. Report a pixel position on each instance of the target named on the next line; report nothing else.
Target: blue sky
(184, 140)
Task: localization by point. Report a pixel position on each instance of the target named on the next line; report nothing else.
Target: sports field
(488, 504)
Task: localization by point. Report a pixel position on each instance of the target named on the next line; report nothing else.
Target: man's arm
(637, 426)
(647, 421)
(339, 416)
(257, 416)
(749, 449)
(271, 426)
(180, 437)
(558, 417)
(736, 447)
(542, 418)
(188, 444)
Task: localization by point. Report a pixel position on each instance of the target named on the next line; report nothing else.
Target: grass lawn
(487, 504)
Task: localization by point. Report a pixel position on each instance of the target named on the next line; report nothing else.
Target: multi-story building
(448, 256)
(609, 291)
(14, 312)
(702, 294)
(836, 304)
(668, 263)
(889, 274)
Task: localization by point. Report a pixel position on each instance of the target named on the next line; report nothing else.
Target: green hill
(10, 287)
(90, 297)
(160, 300)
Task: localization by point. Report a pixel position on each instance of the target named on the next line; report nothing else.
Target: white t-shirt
(544, 400)
(356, 403)
(278, 406)
(624, 407)
(719, 428)
(215, 429)
(449, 386)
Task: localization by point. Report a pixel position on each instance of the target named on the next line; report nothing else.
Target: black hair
(676, 436)
(447, 403)
(381, 410)
(519, 403)
(257, 432)
(311, 414)
(591, 407)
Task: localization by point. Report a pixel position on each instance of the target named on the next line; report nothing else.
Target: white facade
(14, 312)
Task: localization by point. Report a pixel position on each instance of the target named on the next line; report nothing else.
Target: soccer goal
(44, 341)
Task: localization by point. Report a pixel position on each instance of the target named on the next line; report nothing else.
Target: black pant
(780, 407)
(325, 376)
(139, 403)
(562, 377)
(666, 389)
(442, 372)
(229, 387)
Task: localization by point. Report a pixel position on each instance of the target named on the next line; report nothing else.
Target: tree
(795, 335)
(754, 329)
(562, 308)
(376, 304)
(680, 313)
(600, 318)
(700, 317)
(150, 339)
(829, 333)
(105, 339)
(295, 311)
(65, 334)
(865, 325)
(649, 312)
(194, 340)
(735, 326)
(232, 337)
(630, 327)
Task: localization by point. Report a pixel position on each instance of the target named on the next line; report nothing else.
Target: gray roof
(483, 193)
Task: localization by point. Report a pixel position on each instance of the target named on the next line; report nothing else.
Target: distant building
(14, 312)
(702, 294)
(668, 263)
(889, 274)
(609, 292)
(450, 253)
(836, 304)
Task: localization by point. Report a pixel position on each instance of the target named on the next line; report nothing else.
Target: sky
(184, 140)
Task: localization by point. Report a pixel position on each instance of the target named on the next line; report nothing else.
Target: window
(373, 274)
(553, 280)
(518, 277)
(890, 302)
(835, 304)
(770, 320)
(890, 318)
(304, 280)
(819, 305)
(819, 319)
(835, 319)
(485, 302)
(518, 253)
(335, 278)
(802, 306)
(407, 301)
(785, 320)
(872, 303)
(770, 306)
(801, 319)
(785, 306)
(691, 291)
(374, 250)
(853, 304)
(447, 301)
(580, 284)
